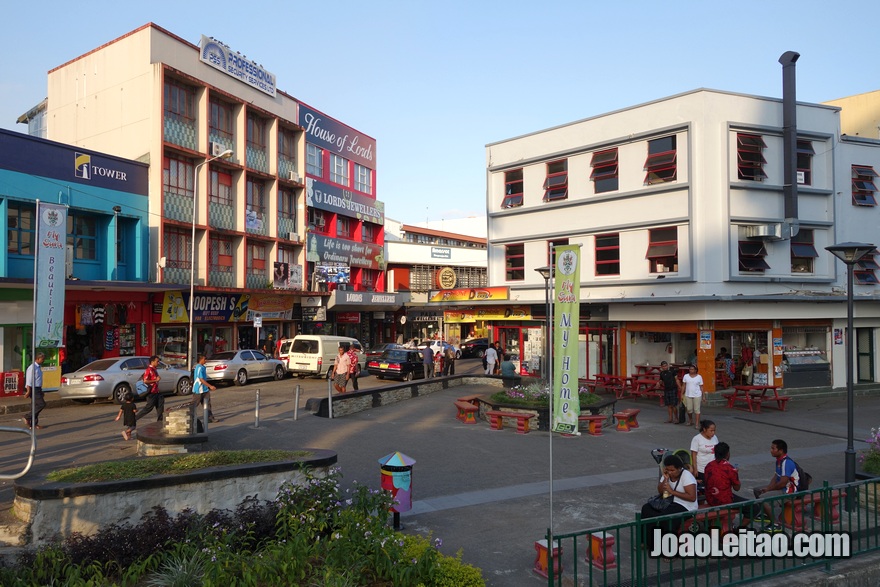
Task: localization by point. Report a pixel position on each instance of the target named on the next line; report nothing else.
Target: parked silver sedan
(241, 366)
(114, 377)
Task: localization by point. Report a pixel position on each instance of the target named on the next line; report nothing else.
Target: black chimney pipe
(789, 139)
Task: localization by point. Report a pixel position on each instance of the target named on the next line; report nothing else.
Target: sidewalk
(487, 492)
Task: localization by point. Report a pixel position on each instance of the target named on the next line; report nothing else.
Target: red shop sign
(348, 317)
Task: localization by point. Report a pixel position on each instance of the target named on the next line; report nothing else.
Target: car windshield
(99, 365)
(394, 355)
(224, 356)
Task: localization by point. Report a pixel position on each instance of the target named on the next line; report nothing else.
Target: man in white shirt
(33, 384)
(491, 359)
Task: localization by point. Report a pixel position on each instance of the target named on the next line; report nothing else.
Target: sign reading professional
(334, 199)
(337, 138)
(234, 64)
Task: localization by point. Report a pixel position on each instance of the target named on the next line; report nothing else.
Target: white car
(440, 345)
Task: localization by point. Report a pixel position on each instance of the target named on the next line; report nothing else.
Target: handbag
(660, 503)
(142, 388)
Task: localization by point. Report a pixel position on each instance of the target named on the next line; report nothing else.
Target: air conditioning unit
(292, 236)
(293, 176)
(217, 149)
(764, 231)
(320, 222)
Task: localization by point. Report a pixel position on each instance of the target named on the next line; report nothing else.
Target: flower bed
(534, 398)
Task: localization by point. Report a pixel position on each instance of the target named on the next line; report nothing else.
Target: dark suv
(474, 347)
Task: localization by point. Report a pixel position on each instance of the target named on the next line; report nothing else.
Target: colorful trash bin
(396, 470)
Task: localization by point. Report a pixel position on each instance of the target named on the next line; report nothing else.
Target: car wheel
(84, 401)
(279, 373)
(409, 376)
(241, 377)
(184, 386)
(119, 393)
(481, 353)
(380, 377)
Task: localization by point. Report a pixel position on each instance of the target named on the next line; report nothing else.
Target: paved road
(483, 491)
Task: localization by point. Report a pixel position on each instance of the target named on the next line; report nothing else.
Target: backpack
(804, 478)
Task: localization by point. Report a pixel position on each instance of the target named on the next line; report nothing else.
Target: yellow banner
(495, 313)
(471, 294)
(566, 318)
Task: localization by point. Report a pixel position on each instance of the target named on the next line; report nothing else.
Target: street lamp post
(545, 368)
(192, 262)
(849, 253)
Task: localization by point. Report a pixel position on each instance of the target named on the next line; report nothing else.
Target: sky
(434, 82)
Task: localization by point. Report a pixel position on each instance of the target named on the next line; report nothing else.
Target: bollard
(257, 411)
(204, 416)
(396, 477)
(329, 397)
(296, 404)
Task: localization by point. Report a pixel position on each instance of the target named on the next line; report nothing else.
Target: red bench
(467, 412)
(705, 516)
(471, 399)
(793, 510)
(626, 420)
(594, 423)
(600, 551)
(496, 420)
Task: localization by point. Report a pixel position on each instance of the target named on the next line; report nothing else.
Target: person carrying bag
(677, 491)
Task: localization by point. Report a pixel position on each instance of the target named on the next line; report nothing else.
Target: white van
(312, 354)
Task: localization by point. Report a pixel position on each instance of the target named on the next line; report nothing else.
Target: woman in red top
(721, 480)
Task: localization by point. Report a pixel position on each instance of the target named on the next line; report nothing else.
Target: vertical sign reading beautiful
(566, 317)
(49, 264)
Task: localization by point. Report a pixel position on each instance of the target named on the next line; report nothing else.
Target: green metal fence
(815, 528)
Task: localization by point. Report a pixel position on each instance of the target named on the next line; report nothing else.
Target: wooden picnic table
(642, 370)
(754, 396)
(619, 384)
(646, 387)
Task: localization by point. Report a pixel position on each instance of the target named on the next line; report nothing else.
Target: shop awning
(365, 301)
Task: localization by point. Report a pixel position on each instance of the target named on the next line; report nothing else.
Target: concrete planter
(60, 509)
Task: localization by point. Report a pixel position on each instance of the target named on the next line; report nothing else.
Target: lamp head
(545, 271)
(850, 253)
(226, 154)
(117, 209)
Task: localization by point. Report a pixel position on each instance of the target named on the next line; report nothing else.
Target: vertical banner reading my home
(49, 266)
(566, 317)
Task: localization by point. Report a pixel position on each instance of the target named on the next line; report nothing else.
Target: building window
(178, 177)
(176, 248)
(256, 132)
(551, 250)
(863, 188)
(20, 229)
(82, 233)
(220, 123)
(750, 157)
(363, 179)
(221, 254)
(514, 262)
(751, 257)
(805, 154)
(864, 270)
(314, 160)
(318, 220)
(343, 227)
(802, 252)
(556, 184)
(255, 205)
(286, 255)
(608, 254)
(338, 169)
(513, 189)
(368, 233)
(287, 145)
(661, 162)
(220, 190)
(662, 252)
(604, 173)
(369, 279)
(256, 258)
(286, 204)
(179, 102)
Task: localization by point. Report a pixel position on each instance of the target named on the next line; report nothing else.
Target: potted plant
(869, 460)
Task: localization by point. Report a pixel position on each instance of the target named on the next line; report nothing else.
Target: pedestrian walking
(428, 361)
(201, 389)
(128, 413)
(33, 385)
(491, 358)
(354, 371)
(341, 370)
(154, 398)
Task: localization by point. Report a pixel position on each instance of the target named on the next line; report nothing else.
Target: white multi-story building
(294, 203)
(690, 240)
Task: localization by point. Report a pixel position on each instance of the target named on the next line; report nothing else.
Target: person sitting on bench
(722, 479)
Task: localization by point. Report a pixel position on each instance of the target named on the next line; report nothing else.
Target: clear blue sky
(434, 82)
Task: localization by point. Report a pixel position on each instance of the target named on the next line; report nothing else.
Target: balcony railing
(255, 221)
(258, 280)
(257, 159)
(181, 132)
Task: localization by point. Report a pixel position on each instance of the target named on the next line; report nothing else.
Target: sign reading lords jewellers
(337, 138)
(334, 199)
(220, 56)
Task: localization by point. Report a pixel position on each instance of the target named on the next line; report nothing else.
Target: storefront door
(865, 355)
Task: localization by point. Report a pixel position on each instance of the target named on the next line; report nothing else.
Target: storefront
(367, 316)
(221, 322)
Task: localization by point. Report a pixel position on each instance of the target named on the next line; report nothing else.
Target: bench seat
(467, 412)
(496, 420)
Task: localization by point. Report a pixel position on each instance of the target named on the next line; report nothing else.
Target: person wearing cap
(671, 390)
